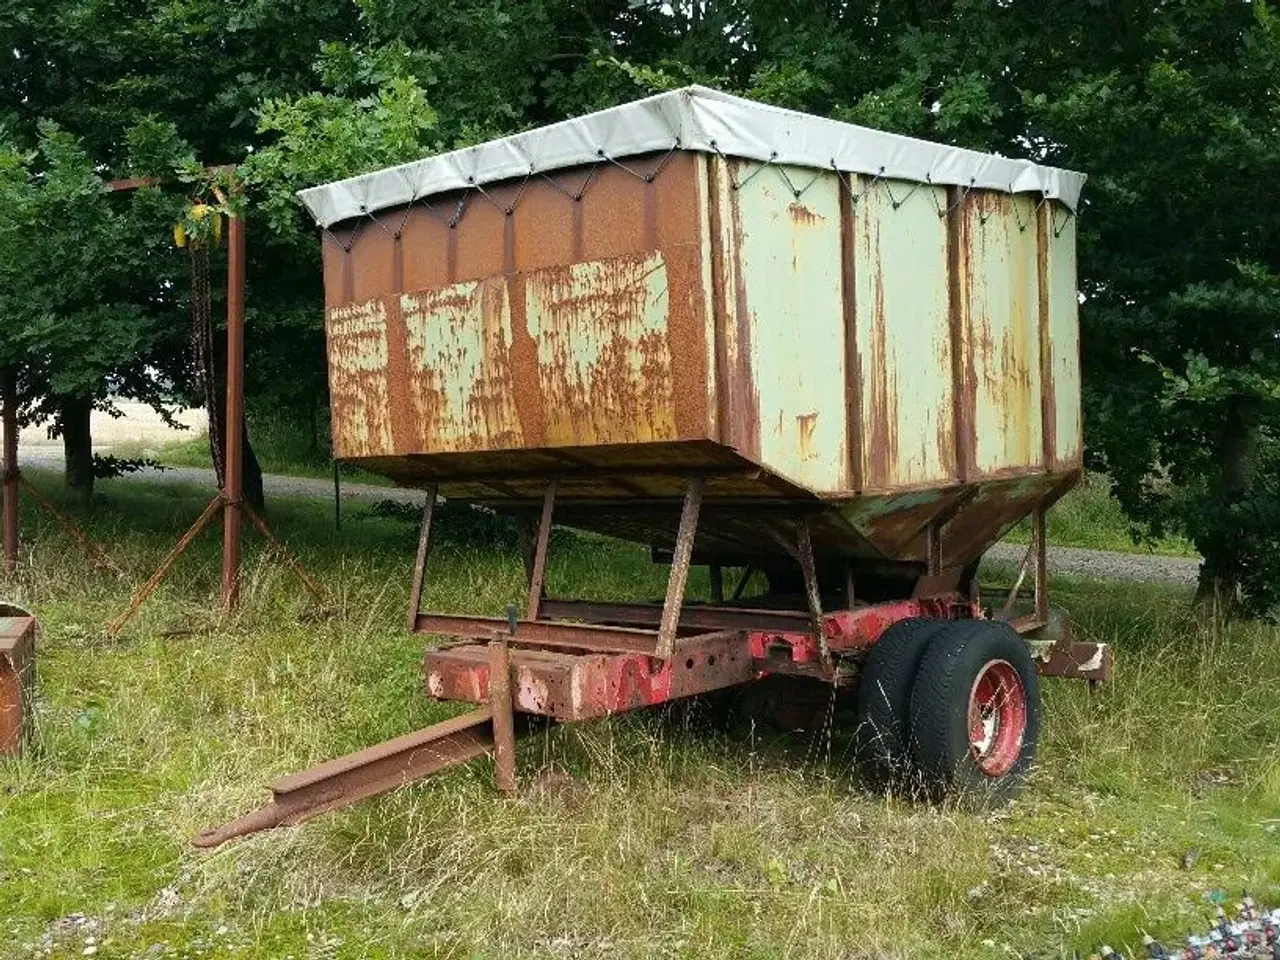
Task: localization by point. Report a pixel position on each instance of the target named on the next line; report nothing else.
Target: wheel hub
(997, 718)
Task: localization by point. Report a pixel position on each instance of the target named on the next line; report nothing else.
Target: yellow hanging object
(179, 235)
(217, 228)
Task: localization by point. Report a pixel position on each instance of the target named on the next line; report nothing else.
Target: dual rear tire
(949, 709)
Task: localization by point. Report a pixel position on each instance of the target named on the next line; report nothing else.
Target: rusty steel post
(115, 626)
(680, 557)
(538, 573)
(717, 583)
(9, 388)
(286, 554)
(500, 707)
(88, 546)
(420, 563)
(233, 491)
(1042, 563)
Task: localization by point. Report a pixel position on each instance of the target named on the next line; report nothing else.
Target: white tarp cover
(700, 119)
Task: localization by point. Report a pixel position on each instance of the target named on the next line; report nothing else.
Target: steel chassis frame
(570, 660)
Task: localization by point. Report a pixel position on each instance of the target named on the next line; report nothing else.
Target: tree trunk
(77, 445)
(217, 407)
(1220, 574)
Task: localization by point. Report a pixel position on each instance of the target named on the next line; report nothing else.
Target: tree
(1175, 109)
(84, 294)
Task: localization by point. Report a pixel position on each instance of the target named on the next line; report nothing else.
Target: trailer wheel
(975, 713)
(884, 699)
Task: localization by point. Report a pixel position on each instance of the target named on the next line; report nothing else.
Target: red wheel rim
(997, 718)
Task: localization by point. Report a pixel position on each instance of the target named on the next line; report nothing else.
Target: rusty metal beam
(801, 551)
(679, 569)
(538, 571)
(504, 723)
(94, 551)
(716, 573)
(565, 636)
(692, 616)
(346, 780)
(1040, 540)
(210, 511)
(292, 562)
(424, 549)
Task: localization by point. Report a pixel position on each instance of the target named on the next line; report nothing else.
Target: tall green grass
(630, 837)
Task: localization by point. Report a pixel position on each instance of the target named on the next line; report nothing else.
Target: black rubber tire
(940, 706)
(882, 735)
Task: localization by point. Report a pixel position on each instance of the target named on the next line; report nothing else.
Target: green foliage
(85, 278)
(1171, 108)
(320, 137)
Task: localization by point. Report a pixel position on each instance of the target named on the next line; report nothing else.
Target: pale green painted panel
(902, 319)
(791, 266)
(1064, 331)
(604, 363)
(461, 391)
(1002, 327)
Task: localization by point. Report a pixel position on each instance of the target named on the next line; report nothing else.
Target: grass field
(630, 837)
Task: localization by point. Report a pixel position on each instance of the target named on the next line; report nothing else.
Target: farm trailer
(842, 360)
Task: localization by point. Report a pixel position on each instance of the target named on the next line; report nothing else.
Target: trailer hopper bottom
(571, 660)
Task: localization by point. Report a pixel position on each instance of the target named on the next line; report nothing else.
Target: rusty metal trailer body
(739, 335)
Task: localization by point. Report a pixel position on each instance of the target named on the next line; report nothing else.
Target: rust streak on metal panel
(803, 216)
(522, 360)
(744, 407)
(404, 431)
(882, 419)
(686, 342)
(1048, 413)
(852, 361)
(719, 300)
(962, 367)
(346, 780)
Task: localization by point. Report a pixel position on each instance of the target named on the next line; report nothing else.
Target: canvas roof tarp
(698, 119)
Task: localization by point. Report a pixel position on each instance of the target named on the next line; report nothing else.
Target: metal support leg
(420, 563)
(1042, 563)
(801, 550)
(717, 583)
(679, 569)
(933, 549)
(116, 625)
(538, 571)
(500, 706)
(812, 594)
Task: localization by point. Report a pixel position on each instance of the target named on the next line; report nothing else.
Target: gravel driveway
(1096, 564)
